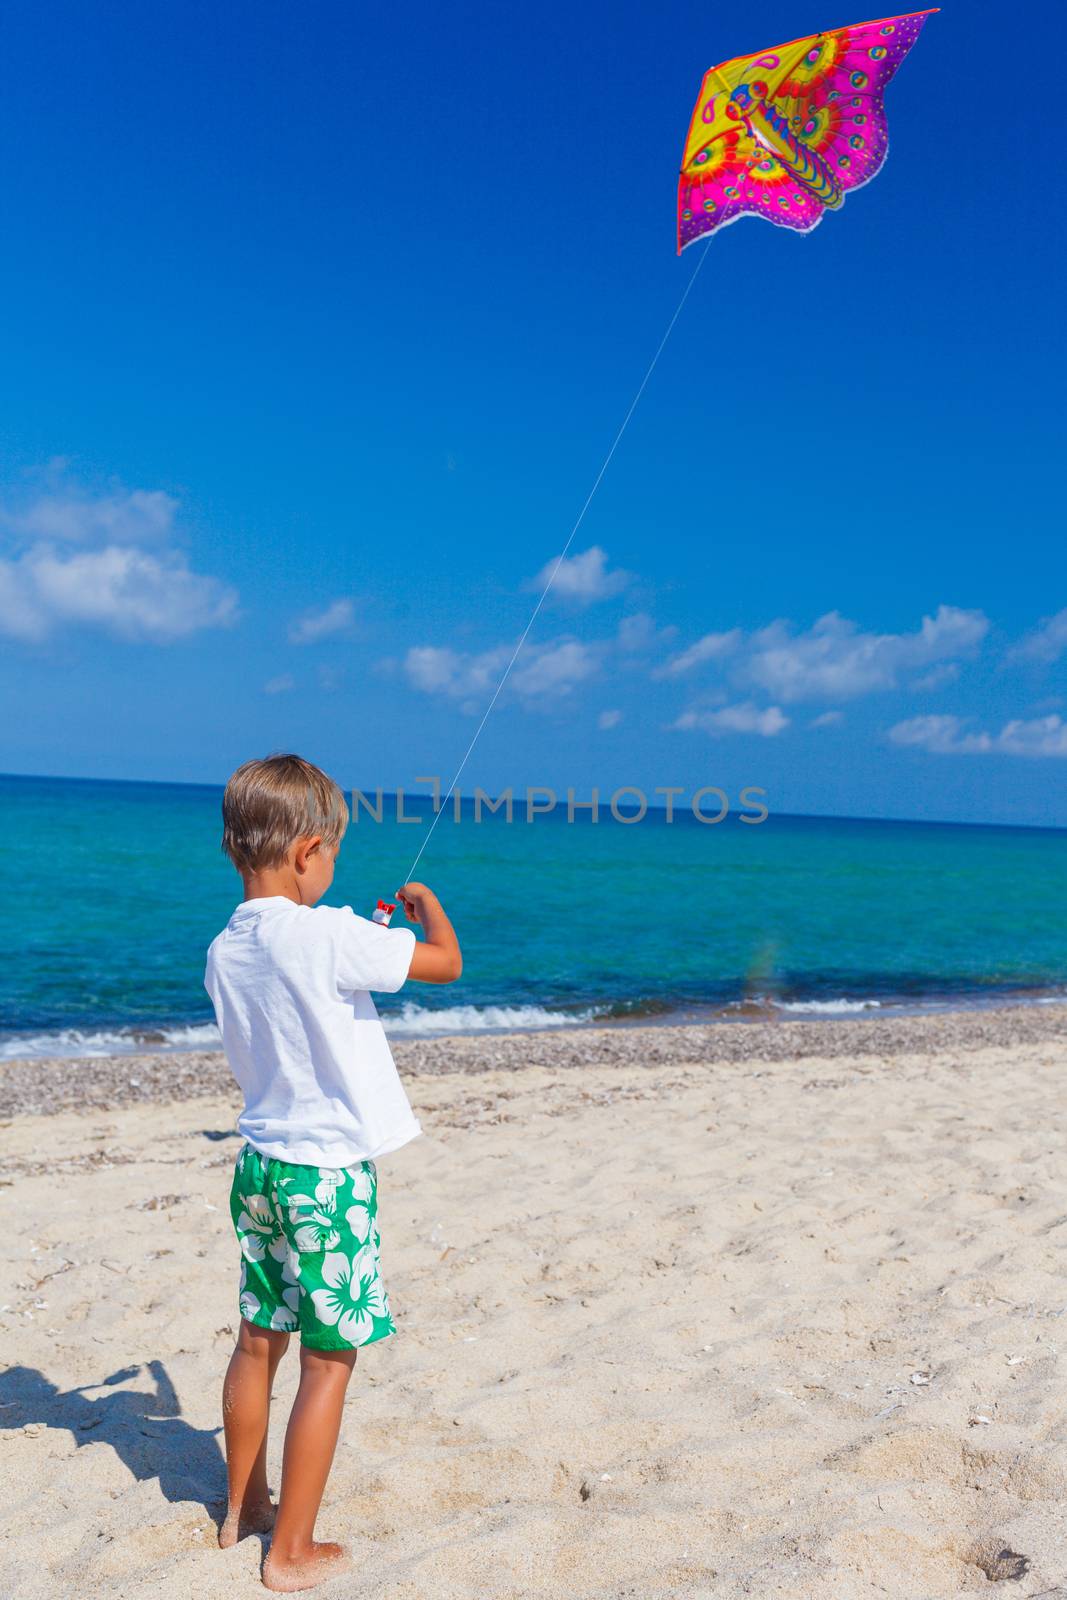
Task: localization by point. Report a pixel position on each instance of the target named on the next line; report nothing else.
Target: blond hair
(270, 804)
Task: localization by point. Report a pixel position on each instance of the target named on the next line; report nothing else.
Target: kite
(787, 133)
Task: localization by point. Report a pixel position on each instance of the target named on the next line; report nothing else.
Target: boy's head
(283, 813)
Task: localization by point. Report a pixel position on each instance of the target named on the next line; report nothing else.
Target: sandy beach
(769, 1309)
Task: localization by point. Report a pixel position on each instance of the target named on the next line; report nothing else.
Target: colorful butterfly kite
(786, 134)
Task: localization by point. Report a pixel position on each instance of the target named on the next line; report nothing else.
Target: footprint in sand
(1000, 1564)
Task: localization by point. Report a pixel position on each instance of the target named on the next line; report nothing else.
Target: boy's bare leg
(245, 1416)
(295, 1561)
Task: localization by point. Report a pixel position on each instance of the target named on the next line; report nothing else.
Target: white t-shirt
(289, 985)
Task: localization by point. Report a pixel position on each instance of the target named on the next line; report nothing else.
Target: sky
(319, 324)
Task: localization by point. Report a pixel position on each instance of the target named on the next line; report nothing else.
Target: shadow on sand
(144, 1427)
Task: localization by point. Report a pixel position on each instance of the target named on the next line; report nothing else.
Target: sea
(114, 890)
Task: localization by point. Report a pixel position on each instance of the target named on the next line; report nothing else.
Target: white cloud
(1046, 643)
(712, 647)
(432, 669)
(937, 677)
(455, 673)
(125, 516)
(315, 625)
(744, 718)
(554, 670)
(582, 578)
(943, 735)
(279, 685)
(1041, 736)
(608, 720)
(77, 559)
(639, 633)
(834, 660)
(946, 735)
(829, 719)
(543, 673)
(124, 591)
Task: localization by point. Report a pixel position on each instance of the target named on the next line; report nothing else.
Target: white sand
(752, 1329)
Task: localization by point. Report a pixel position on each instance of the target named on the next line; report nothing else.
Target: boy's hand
(436, 958)
(414, 897)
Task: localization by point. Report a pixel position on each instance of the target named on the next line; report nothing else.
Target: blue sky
(320, 323)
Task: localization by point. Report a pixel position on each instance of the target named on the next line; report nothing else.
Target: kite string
(560, 558)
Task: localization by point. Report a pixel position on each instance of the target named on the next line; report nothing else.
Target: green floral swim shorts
(309, 1238)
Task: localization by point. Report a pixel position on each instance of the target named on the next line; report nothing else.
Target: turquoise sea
(114, 891)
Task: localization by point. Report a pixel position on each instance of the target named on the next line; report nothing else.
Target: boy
(322, 1101)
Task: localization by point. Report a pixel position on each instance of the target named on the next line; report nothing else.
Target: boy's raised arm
(437, 957)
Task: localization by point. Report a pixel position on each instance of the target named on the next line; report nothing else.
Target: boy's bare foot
(304, 1571)
(245, 1520)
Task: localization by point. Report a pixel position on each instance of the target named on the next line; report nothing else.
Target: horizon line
(407, 794)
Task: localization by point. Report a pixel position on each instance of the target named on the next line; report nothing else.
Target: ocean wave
(411, 1021)
(829, 1008)
(92, 1042)
(423, 1022)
